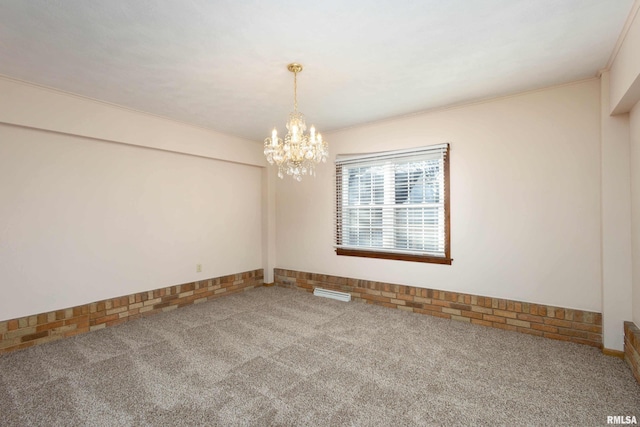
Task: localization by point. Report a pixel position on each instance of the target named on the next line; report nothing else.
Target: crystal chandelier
(298, 154)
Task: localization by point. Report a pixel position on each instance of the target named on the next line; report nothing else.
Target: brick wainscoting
(632, 348)
(582, 327)
(27, 331)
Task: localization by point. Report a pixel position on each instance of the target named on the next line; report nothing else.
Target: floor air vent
(340, 296)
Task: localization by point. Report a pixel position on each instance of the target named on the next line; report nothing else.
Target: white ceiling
(222, 63)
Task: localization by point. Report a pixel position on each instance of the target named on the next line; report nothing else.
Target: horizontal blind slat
(392, 201)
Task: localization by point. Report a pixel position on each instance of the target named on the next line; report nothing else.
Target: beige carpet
(275, 356)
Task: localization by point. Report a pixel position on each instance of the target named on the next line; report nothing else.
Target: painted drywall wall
(525, 199)
(624, 89)
(82, 220)
(634, 120)
(616, 221)
(38, 107)
(625, 67)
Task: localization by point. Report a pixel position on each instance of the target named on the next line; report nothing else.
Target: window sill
(394, 256)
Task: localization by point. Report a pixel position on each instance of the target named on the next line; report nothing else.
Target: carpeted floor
(274, 356)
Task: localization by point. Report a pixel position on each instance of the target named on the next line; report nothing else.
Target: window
(394, 205)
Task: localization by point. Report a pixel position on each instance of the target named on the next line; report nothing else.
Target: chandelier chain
(295, 91)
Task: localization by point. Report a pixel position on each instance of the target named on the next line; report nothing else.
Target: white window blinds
(393, 202)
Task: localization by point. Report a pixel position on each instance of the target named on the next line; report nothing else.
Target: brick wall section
(632, 348)
(582, 327)
(16, 334)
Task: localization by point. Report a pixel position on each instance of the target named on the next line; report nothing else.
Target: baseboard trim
(20, 333)
(614, 353)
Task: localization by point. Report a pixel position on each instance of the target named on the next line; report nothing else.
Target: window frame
(381, 253)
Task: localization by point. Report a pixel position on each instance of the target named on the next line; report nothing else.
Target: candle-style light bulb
(312, 131)
(274, 137)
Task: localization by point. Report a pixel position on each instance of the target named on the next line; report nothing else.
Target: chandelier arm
(297, 153)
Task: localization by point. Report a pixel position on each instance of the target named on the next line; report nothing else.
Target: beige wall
(625, 68)
(635, 203)
(83, 218)
(616, 221)
(33, 106)
(525, 200)
(624, 89)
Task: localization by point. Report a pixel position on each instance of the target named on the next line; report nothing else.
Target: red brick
(558, 322)
(79, 311)
(35, 336)
(431, 307)
(503, 326)
(97, 315)
(375, 298)
(414, 304)
(48, 326)
(587, 327)
(106, 319)
(80, 322)
(594, 337)
(441, 303)
(471, 314)
(481, 322)
(432, 313)
(544, 328)
(503, 313)
(597, 318)
(530, 318)
(495, 319)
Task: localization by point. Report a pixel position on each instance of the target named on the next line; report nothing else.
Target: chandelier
(298, 154)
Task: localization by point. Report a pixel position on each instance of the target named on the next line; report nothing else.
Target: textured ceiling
(222, 64)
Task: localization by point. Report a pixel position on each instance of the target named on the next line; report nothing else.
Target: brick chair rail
(578, 326)
(16, 334)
